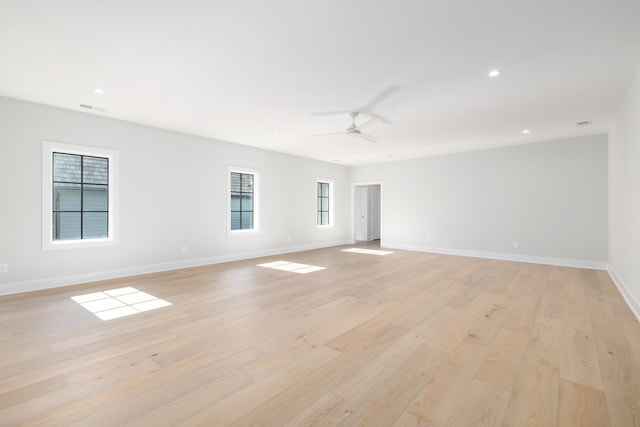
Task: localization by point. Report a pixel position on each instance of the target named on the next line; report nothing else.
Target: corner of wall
(632, 302)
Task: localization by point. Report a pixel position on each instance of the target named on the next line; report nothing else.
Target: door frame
(354, 185)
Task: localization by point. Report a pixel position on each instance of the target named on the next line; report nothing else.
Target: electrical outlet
(4, 268)
(184, 249)
(288, 238)
(516, 245)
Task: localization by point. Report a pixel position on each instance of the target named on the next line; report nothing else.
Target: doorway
(367, 212)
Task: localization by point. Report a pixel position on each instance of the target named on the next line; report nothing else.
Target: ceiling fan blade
(378, 99)
(379, 117)
(331, 113)
(369, 122)
(327, 134)
(366, 136)
(367, 108)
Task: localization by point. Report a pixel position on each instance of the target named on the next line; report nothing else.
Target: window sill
(238, 233)
(77, 244)
(325, 227)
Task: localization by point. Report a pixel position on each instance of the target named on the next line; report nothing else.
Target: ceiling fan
(370, 108)
(355, 130)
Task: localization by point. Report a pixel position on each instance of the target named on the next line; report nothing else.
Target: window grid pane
(323, 203)
(325, 218)
(94, 225)
(66, 225)
(242, 200)
(80, 197)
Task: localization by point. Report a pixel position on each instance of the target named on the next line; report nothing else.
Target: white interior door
(360, 204)
(374, 212)
(367, 206)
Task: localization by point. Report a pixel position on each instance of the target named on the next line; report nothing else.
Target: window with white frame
(324, 203)
(79, 196)
(244, 197)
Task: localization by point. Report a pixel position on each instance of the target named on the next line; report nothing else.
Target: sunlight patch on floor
(292, 266)
(367, 251)
(119, 302)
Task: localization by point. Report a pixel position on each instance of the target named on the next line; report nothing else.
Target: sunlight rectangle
(367, 251)
(121, 291)
(293, 267)
(116, 312)
(135, 298)
(309, 269)
(274, 264)
(120, 302)
(90, 297)
(151, 305)
(102, 304)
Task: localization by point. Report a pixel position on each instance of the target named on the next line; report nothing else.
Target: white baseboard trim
(628, 296)
(57, 282)
(503, 256)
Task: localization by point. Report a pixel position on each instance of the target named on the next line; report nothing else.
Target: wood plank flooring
(405, 339)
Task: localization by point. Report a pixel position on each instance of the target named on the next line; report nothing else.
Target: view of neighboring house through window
(324, 205)
(243, 207)
(80, 197)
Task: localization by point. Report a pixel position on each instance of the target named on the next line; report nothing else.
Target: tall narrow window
(324, 203)
(243, 199)
(79, 196)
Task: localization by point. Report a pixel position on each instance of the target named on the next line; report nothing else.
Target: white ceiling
(244, 71)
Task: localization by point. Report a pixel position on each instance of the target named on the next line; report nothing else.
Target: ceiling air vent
(91, 107)
(584, 123)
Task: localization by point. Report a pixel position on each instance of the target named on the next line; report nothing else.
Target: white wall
(172, 194)
(624, 197)
(550, 197)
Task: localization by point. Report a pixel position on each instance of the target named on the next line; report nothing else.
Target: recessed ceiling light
(98, 91)
(526, 131)
(494, 73)
(275, 135)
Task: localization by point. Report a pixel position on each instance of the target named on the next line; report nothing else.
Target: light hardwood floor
(406, 339)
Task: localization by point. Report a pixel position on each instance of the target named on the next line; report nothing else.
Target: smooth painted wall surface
(173, 190)
(549, 197)
(624, 197)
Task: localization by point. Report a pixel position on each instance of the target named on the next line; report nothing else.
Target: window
(324, 203)
(243, 199)
(78, 199)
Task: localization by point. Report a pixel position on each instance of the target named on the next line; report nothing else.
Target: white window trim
(331, 224)
(48, 148)
(257, 183)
